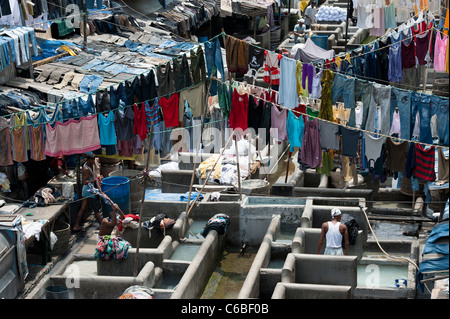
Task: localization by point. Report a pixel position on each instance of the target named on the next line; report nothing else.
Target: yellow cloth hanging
(298, 76)
(446, 25)
(303, 4)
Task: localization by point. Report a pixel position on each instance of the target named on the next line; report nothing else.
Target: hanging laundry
(344, 87)
(298, 77)
(295, 129)
(396, 153)
(169, 108)
(311, 151)
(326, 111)
(72, 137)
(256, 58)
(5, 147)
(329, 138)
(196, 99)
(107, 131)
(395, 73)
(288, 96)
(117, 95)
(349, 141)
(164, 77)
(440, 47)
(237, 54)
(214, 62)
(278, 123)
(255, 113)
(379, 105)
(140, 121)
(372, 148)
(424, 163)
(152, 113)
(181, 74)
(271, 69)
(37, 142)
(316, 90)
(307, 78)
(239, 111)
(198, 65)
(378, 28)
(148, 86)
(389, 15)
(443, 165)
(422, 39)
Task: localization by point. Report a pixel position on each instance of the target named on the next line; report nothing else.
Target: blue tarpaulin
(432, 247)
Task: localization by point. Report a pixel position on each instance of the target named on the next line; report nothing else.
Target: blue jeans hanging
(214, 62)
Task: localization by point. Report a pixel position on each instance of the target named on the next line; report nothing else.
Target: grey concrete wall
(250, 288)
(320, 269)
(332, 192)
(106, 287)
(196, 277)
(176, 181)
(269, 278)
(308, 291)
(255, 219)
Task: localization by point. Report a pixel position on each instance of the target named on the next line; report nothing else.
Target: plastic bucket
(135, 186)
(117, 188)
(56, 292)
(321, 41)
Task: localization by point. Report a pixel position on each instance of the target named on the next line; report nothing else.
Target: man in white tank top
(333, 231)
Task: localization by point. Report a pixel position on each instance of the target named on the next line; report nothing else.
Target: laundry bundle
(327, 13)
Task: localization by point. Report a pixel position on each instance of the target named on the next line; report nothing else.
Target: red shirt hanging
(239, 111)
(140, 121)
(169, 107)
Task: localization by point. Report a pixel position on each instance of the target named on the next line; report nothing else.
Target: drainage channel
(228, 277)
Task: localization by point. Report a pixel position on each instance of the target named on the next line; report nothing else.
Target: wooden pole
(207, 177)
(287, 167)
(238, 167)
(141, 206)
(183, 229)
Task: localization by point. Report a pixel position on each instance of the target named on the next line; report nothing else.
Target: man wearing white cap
(334, 230)
(299, 30)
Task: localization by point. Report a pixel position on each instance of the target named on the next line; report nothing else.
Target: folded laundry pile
(327, 13)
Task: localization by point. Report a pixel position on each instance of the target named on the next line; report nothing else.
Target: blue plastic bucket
(321, 41)
(117, 188)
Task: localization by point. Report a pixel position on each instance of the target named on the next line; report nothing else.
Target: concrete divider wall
(320, 270)
(96, 287)
(308, 291)
(176, 181)
(250, 288)
(196, 277)
(255, 219)
(155, 255)
(332, 192)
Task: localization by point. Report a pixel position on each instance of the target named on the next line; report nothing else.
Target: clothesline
(115, 84)
(106, 111)
(383, 38)
(169, 94)
(343, 125)
(349, 76)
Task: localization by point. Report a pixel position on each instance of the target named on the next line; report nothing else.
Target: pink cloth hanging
(72, 137)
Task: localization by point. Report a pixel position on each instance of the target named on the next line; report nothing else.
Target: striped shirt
(152, 113)
(424, 166)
